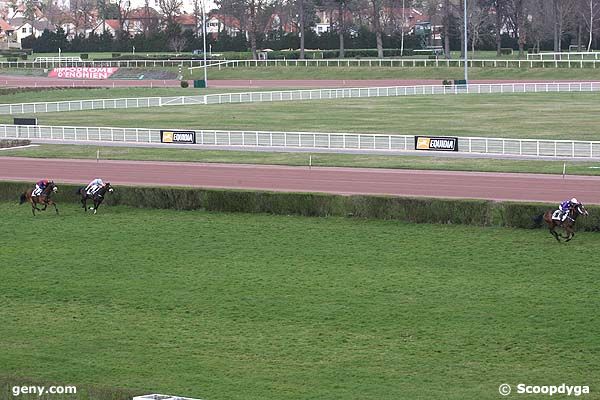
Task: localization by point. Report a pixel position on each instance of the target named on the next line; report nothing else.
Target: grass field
(534, 115)
(235, 55)
(318, 159)
(236, 306)
(105, 93)
(440, 73)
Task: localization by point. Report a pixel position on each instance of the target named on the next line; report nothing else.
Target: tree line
(492, 25)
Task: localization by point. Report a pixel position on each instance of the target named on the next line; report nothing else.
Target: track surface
(477, 185)
(36, 81)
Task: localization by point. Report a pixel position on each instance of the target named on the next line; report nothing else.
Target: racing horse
(97, 197)
(569, 223)
(43, 198)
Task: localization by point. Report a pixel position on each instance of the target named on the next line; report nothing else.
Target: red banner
(82, 72)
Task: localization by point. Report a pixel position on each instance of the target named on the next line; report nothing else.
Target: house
(222, 23)
(19, 12)
(189, 22)
(27, 28)
(6, 30)
(110, 25)
(394, 16)
(139, 20)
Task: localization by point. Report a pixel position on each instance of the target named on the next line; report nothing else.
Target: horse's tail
(78, 190)
(22, 199)
(538, 219)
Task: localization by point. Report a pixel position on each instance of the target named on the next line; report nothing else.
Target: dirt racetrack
(476, 185)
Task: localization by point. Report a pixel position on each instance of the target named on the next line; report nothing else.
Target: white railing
(308, 140)
(384, 62)
(573, 55)
(60, 60)
(295, 95)
(410, 62)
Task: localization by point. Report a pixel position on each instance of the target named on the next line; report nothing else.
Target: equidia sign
(178, 136)
(436, 143)
(83, 72)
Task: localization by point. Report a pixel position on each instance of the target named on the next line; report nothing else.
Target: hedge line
(6, 143)
(418, 210)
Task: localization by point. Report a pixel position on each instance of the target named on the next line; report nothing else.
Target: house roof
(112, 23)
(5, 26)
(37, 12)
(227, 20)
(143, 13)
(186, 19)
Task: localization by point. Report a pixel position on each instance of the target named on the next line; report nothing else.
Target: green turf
(105, 93)
(318, 159)
(532, 115)
(440, 73)
(260, 307)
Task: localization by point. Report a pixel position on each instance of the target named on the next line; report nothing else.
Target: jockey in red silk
(566, 206)
(39, 187)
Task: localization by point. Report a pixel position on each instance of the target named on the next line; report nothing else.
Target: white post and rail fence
(540, 62)
(307, 140)
(297, 95)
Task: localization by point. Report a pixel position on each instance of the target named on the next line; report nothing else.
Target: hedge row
(7, 91)
(5, 143)
(418, 210)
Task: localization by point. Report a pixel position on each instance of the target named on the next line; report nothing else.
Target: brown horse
(97, 197)
(568, 224)
(43, 198)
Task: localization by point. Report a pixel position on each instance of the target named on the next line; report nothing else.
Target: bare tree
(563, 12)
(170, 9)
(446, 18)
(478, 18)
(342, 7)
(517, 14)
(197, 13)
(177, 43)
(590, 12)
(500, 11)
(377, 9)
(82, 14)
(123, 11)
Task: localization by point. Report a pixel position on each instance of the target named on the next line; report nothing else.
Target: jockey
(39, 187)
(93, 186)
(567, 206)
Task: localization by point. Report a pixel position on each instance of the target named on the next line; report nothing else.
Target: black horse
(568, 224)
(43, 198)
(97, 197)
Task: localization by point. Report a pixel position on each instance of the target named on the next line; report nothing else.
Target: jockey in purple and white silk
(567, 206)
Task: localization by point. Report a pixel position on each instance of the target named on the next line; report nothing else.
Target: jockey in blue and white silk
(93, 186)
(566, 206)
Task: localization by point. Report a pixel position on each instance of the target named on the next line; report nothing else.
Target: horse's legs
(570, 236)
(555, 234)
(55, 208)
(84, 202)
(34, 204)
(96, 205)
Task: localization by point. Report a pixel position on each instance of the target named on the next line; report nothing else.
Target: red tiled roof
(227, 20)
(141, 13)
(186, 19)
(113, 23)
(5, 26)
